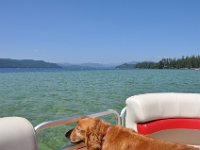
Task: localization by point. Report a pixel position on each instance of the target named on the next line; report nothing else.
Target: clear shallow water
(41, 95)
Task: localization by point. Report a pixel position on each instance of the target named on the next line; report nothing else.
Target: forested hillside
(13, 63)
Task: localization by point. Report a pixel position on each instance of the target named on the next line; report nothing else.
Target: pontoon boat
(168, 116)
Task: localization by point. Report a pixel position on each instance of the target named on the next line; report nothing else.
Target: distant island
(26, 63)
(188, 62)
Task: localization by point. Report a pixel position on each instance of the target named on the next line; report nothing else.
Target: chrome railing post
(123, 116)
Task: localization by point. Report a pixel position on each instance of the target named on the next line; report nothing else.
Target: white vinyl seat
(154, 106)
(17, 133)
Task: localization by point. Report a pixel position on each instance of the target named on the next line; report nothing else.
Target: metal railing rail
(65, 121)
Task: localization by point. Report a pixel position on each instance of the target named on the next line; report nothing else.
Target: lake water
(47, 94)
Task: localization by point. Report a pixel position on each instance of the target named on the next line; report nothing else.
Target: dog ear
(101, 128)
(93, 141)
(93, 125)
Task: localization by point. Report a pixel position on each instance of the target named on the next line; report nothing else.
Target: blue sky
(101, 31)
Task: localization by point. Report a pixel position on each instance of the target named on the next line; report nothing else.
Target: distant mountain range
(86, 66)
(29, 63)
(189, 62)
(26, 63)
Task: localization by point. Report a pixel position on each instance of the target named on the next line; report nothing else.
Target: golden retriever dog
(100, 135)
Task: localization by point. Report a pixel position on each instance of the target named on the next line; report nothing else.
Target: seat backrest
(17, 133)
(149, 107)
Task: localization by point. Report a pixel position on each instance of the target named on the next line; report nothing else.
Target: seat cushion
(17, 133)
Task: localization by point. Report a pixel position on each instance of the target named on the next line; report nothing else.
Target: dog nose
(68, 133)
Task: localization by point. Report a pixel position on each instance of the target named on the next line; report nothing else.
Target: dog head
(90, 131)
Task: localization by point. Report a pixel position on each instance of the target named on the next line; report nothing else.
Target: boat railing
(70, 120)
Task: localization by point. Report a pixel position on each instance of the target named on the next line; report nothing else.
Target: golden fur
(100, 135)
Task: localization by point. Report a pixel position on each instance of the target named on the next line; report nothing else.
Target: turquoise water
(41, 95)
